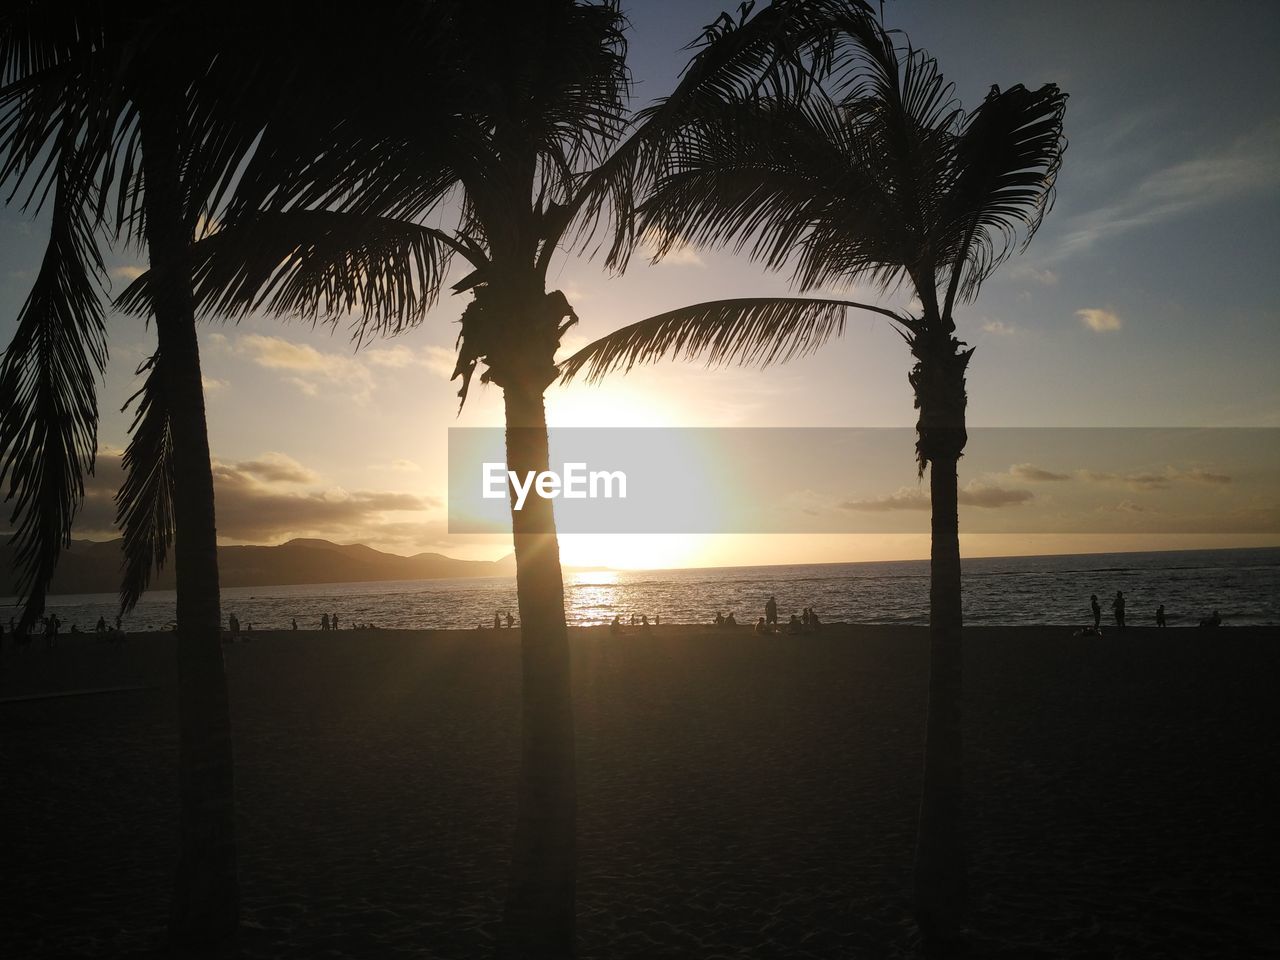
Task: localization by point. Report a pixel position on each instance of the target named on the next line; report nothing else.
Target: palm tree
(887, 179)
(150, 109)
(523, 135)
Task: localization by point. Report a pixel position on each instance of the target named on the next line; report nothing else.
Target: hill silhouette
(93, 566)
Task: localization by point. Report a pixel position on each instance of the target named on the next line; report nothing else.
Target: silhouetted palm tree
(887, 179)
(513, 120)
(135, 122)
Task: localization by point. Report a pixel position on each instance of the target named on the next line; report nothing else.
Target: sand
(739, 796)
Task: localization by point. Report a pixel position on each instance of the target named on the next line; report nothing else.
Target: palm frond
(900, 119)
(1005, 164)
(144, 502)
(59, 99)
(781, 52)
(748, 331)
(318, 265)
(49, 410)
(785, 183)
(355, 140)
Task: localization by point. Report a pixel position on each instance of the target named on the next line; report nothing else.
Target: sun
(631, 551)
(617, 404)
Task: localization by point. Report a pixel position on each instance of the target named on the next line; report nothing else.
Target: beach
(739, 796)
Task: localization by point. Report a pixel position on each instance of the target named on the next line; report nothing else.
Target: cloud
(1150, 480)
(1029, 471)
(1245, 166)
(309, 367)
(306, 386)
(438, 360)
(679, 254)
(1023, 271)
(397, 357)
(129, 272)
(991, 497)
(1146, 481)
(273, 467)
(974, 494)
(277, 353)
(1101, 321)
(401, 466)
(906, 498)
(269, 499)
(1205, 476)
(212, 384)
(999, 328)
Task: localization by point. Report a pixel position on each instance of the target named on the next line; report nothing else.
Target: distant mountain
(91, 566)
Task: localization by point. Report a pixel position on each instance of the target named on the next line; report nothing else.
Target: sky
(1149, 298)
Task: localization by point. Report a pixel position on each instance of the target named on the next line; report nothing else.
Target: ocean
(1242, 585)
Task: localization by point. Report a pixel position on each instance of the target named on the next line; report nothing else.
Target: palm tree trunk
(205, 909)
(539, 916)
(941, 875)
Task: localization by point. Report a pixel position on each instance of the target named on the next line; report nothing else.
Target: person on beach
(771, 611)
(761, 627)
(794, 625)
(511, 621)
(1118, 606)
(293, 623)
(324, 621)
(719, 621)
(657, 619)
(102, 625)
(1214, 621)
(730, 620)
(633, 619)
(644, 621)
(333, 621)
(1160, 615)
(1097, 611)
(616, 625)
(814, 625)
(497, 621)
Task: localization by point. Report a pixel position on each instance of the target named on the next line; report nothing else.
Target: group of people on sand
(499, 619)
(328, 621)
(50, 629)
(806, 622)
(112, 634)
(641, 621)
(1118, 611)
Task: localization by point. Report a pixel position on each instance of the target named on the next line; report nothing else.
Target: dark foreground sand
(740, 796)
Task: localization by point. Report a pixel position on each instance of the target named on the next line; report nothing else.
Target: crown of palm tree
(884, 179)
(73, 78)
